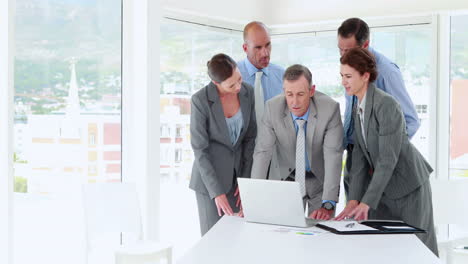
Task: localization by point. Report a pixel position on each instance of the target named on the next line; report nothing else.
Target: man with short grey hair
(304, 128)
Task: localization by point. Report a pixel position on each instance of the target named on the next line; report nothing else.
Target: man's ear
(366, 76)
(312, 90)
(244, 47)
(366, 44)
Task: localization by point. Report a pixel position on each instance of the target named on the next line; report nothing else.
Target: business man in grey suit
(309, 121)
(389, 177)
(223, 130)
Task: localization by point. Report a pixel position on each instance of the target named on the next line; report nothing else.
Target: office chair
(447, 195)
(113, 209)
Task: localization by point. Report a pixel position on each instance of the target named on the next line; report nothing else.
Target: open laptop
(273, 202)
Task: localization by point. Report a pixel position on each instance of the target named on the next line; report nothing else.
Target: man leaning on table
(304, 127)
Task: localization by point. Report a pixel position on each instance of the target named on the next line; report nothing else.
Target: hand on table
(354, 209)
(241, 212)
(222, 204)
(239, 202)
(321, 214)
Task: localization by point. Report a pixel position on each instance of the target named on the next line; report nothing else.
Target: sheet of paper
(347, 226)
(399, 227)
(310, 231)
(384, 220)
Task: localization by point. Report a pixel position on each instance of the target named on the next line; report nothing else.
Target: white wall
(140, 114)
(6, 131)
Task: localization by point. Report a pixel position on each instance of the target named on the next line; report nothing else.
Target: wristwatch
(328, 206)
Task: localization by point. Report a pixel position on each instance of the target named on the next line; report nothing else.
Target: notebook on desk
(273, 202)
(369, 227)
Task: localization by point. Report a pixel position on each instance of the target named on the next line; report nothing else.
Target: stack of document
(369, 227)
(346, 226)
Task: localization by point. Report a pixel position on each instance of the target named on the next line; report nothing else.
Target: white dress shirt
(361, 114)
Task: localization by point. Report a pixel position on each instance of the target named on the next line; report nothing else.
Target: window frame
(140, 106)
(7, 11)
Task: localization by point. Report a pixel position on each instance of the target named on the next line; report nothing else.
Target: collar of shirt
(362, 104)
(377, 55)
(251, 69)
(305, 117)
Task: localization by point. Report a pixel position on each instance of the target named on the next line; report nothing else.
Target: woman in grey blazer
(389, 178)
(223, 130)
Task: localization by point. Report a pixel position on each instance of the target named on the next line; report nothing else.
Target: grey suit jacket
(390, 165)
(323, 137)
(216, 158)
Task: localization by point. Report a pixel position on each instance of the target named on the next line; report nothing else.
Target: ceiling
(235, 14)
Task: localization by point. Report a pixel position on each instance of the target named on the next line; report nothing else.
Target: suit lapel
(368, 108)
(245, 107)
(357, 123)
(358, 132)
(289, 126)
(218, 113)
(311, 124)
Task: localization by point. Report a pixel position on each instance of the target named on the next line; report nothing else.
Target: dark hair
(294, 72)
(221, 67)
(362, 61)
(354, 27)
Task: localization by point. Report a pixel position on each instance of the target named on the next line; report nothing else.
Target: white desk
(232, 240)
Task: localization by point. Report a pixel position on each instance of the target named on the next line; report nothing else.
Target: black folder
(381, 227)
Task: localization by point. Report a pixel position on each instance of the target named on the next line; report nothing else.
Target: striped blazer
(389, 165)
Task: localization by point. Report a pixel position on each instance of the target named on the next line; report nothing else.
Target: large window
(67, 121)
(317, 51)
(408, 46)
(458, 98)
(458, 155)
(185, 49)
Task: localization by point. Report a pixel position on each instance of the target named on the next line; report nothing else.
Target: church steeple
(73, 100)
(70, 124)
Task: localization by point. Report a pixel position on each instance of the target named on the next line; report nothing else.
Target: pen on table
(461, 247)
(350, 225)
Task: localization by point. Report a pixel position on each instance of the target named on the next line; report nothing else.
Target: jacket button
(290, 169)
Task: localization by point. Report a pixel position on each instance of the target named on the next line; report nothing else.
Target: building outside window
(458, 160)
(67, 117)
(185, 49)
